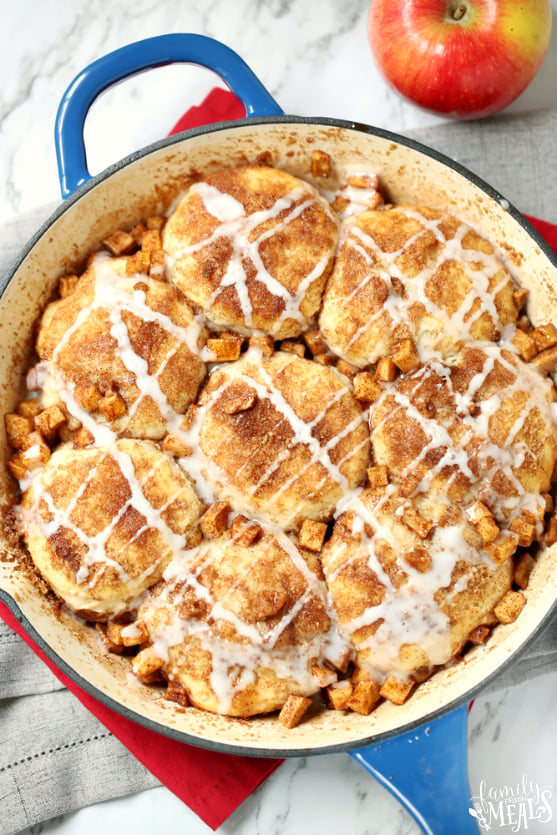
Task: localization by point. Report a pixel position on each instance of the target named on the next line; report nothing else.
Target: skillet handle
(426, 770)
(131, 59)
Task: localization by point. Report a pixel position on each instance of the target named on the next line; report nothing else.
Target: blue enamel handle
(131, 59)
(427, 771)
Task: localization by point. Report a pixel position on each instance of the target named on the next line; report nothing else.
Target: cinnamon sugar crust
(101, 524)
(252, 247)
(408, 272)
(293, 453)
(131, 338)
(253, 622)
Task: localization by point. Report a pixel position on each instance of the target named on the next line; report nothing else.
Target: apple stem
(459, 12)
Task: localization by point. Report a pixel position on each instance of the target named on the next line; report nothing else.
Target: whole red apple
(465, 59)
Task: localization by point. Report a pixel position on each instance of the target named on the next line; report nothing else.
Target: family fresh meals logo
(511, 807)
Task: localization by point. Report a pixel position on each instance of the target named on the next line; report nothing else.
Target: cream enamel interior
(145, 186)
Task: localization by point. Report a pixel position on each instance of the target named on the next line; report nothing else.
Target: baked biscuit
(477, 427)
(101, 524)
(409, 595)
(297, 447)
(252, 247)
(413, 273)
(125, 349)
(240, 628)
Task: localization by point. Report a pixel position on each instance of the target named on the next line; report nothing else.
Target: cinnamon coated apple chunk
(293, 710)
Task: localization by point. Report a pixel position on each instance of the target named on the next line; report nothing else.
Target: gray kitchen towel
(517, 155)
(55, 756)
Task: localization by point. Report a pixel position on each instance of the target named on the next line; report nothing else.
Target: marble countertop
(314, 59)
(315, 63)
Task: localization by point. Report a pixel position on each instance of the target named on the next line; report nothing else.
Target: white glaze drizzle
(234, 662)
(205, 471)
(238, 228)
(116, 295)
(384, 265)
(348, 199)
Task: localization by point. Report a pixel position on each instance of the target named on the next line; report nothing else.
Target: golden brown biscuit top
(257, 608)
(406, 591)
(103, 522)
(383, 576)
(252, 247)
(125, 348)
(413, 272)
(281, 437)
(481, 426)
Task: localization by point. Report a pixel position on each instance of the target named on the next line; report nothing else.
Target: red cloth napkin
(548, 231)
(211, 784)
(219, 106)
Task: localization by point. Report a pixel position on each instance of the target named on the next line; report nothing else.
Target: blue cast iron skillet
(425, 767)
